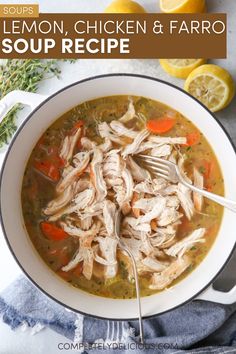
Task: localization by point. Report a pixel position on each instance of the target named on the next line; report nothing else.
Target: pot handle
(226, 298)
(17, 96)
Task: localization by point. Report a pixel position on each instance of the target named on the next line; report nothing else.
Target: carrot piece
(78, 270)
(53, 153)
(61, 162)
(161, 125)
(135, 211)
(77, 125)
(206, 168)
(193, 138)
(53, 232)
(48, 169)
(154, 225)
(209, 188)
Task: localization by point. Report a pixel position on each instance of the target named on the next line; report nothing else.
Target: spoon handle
(123, 247)
(227, 203)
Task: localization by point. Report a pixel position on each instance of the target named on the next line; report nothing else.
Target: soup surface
(85, 167)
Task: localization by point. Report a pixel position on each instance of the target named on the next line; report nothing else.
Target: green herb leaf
(22, 74)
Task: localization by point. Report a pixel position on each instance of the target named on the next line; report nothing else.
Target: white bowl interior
(11, 204)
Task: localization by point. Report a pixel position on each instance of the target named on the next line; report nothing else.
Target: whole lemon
(124, 7)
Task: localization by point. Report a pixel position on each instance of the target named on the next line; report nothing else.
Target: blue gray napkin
(198, 327)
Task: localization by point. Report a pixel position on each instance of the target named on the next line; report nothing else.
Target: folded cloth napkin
(197, 327)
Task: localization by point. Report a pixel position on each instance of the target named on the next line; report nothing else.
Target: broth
(44, 169)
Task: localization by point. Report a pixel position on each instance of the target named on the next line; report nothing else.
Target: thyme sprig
(22, 74)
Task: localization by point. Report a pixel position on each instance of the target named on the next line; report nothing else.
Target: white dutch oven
(45, 111)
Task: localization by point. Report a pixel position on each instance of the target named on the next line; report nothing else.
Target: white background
(46, 341)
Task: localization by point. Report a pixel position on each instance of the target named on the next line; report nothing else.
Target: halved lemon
(212, 85)
(125, 7)
(181, 68)
(182, 6)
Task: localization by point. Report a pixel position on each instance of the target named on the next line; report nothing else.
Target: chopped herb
(193, 248)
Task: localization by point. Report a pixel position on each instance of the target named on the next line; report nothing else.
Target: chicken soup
(84, 168)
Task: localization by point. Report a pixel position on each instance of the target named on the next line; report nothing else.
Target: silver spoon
(122, 246)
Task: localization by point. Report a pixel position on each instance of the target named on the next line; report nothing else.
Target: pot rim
(18, 133)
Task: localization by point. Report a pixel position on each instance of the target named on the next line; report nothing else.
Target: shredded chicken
(163, 279)
(121, 130)
(130, 114)
(105, 176)
(161, 151)
(179, 248)
(97, 176)
(132, 148)
(138, 173)
(74, 174)
(185, 196)
(61, 201)
(199, 183)
(68, 146)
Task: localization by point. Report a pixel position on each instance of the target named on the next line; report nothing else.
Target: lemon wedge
(212, 85)
(181, 68)
(125, 7)
(182, 6)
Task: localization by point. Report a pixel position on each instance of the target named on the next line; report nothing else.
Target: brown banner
(19, 10)
(114, 36)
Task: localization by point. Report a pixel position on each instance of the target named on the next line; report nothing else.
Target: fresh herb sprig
(22, 74)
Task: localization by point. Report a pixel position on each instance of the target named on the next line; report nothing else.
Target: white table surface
(47, 341)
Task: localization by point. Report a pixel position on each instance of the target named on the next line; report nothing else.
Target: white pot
(15, 161)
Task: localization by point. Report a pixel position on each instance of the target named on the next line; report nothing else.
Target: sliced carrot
(206, 168)
(193, 138)
(54, 157)
(161, 125)
(53, 232)
(48, 169)
(209, 167)
(78, 270)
